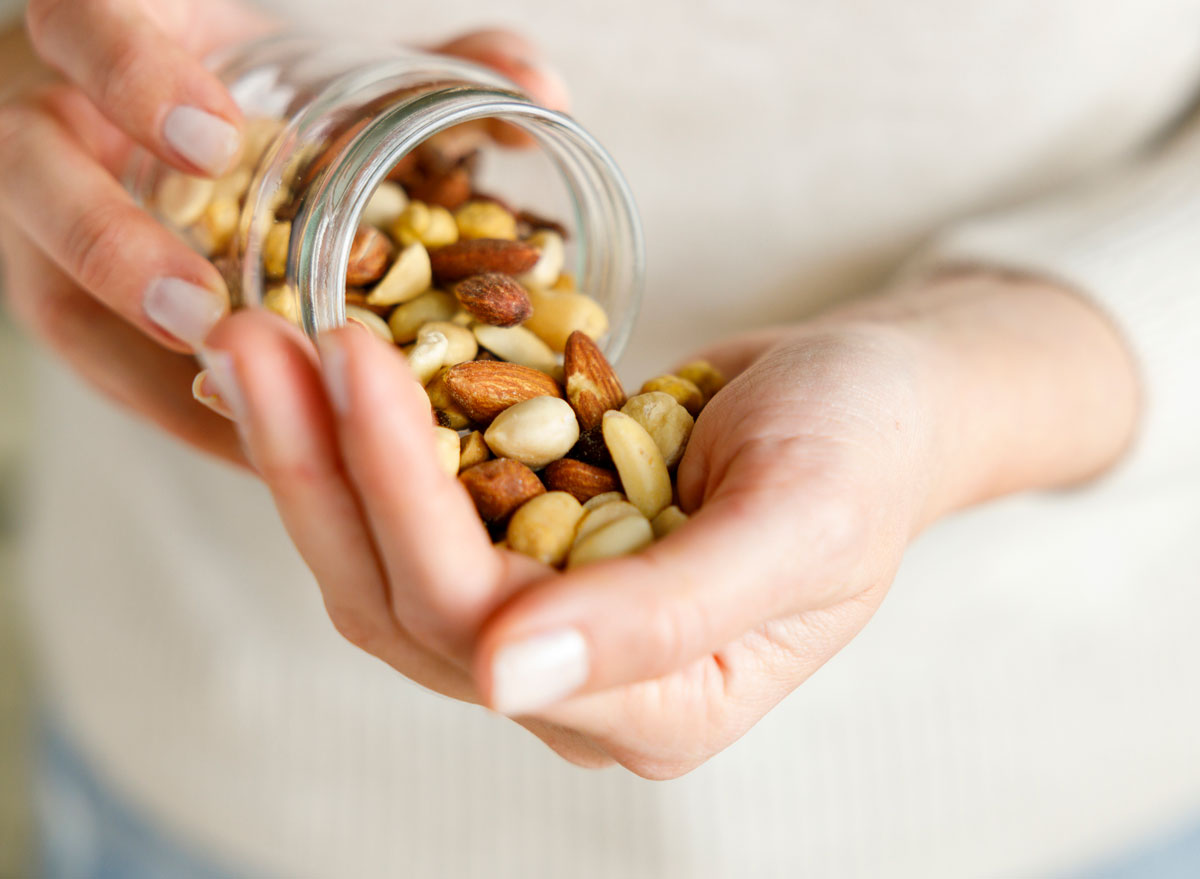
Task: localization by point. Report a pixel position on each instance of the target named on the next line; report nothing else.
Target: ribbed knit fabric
(1023, 702)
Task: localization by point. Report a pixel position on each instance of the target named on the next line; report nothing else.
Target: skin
(837, 442)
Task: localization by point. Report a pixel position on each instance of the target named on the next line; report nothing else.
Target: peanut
(534, 432)
(485, 219)
(543, 527)
(472, 450)
(431, 226)
(445, 409)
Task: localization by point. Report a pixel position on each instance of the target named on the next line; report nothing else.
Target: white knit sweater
(1024, 701)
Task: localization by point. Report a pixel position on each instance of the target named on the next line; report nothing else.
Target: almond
(592, 386)
(499, 486)
(494, 299)
(640, 464)
(591, 449)
(580, 480)
(369, 256)
(485, 388)
(477, 256)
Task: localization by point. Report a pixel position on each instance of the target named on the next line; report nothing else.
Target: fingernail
(204, 391)
(219, 372)
(205, 140)
(186, 311)
(333, 371)
(538, 671)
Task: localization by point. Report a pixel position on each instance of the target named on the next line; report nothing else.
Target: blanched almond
(667, 521)
(639, 463)
(622, 537)
(517, 345)
(409, 277)
(598, 517)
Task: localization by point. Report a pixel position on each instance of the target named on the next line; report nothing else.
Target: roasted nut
(370, 320)
(485, 219)
(591, 383)
(216, 226)
(408, 278)
(425, 358)
(601, 499)
(275, 250)
(582, 481)
(485, 388)
(408, 317)
(445, 410)
(565, 284)
(232, 185)
(534, 432)
(446, 445)
(685, 393)
(665, 420)
(591, 449)
(480, 256)
(385, 205)
(494, 299)
(461, 345)
(283, 300)
(639, 463)
(598, 517)
(181, 198)
(667, 521)
(447, 190)
(557, 315)
(704, 376)
(548, 267)
(369, 256)
(537, 223)
(517, 345)
(544, 527)
(622, 537)
(498, 487)
(431, 226)
(256, 137)
(472, 450)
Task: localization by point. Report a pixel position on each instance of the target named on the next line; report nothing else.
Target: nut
(216, 226)
(472, 450)
(591, 449)
(639, 463)
(601, 499)
(622, 537)
(369, 256)
(445, 410)
(499, 486)
(494, 299)
(665, 420)
(685, 392)
(565, 284)
(409, 277)
(601, 516)
(480, 256)
(407, 318)
(369, 319)
(557, 315)
(592, 385)
(283, 300)
(667, 521)
(449, 189)
(544, 527)
(534, 432)
(426, 356)
(462, 345)
(485, 219)
(182, 198)
(256, 137)
(385, 205)
(517, 345)
(582, 481)
(445, 443)
(275, 250)
(551, 255)
(485, 388)
(232, 185)
(704, 376)
(537, 223)
(419, 223)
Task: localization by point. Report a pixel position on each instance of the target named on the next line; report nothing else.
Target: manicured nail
(219, 372)
(205, 140)
(186, 311)
(333, 370)
(204, 390)
(538, 671)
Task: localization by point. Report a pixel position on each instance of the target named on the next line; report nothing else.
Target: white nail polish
(186, 311)
(219, 365)
(205, 140)
(333, 371)
(538, 671)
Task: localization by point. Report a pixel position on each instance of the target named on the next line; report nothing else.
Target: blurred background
(14, 666)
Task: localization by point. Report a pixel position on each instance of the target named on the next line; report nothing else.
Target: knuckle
(356, 627)
(677, 628)
(94, 243)
(39, 18)
(126, 67)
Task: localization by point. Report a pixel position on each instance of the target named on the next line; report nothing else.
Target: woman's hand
(119, 298)
(807, 477)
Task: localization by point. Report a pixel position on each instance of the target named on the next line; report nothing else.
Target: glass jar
(328, 121)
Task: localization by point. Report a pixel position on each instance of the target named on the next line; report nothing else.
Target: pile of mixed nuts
(529, 414)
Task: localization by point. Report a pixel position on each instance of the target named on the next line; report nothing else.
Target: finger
(89, 226)
(108, 353)
(266, 372)
(446, 576)
(141, 77)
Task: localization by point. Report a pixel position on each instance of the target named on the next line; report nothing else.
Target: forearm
(1033, 387)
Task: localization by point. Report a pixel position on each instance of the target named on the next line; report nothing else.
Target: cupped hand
(120, 299)
(806, 476)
